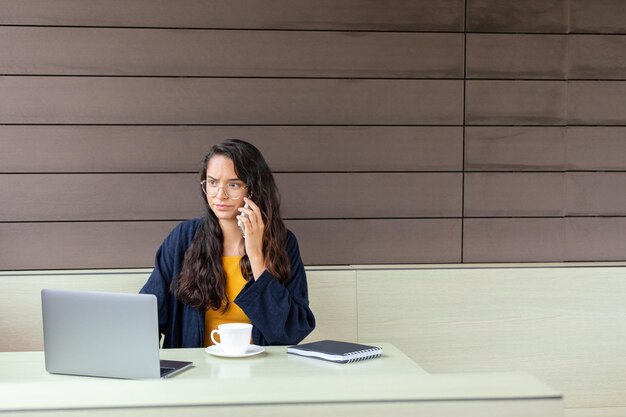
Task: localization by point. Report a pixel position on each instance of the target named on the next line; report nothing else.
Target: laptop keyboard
(165, 370)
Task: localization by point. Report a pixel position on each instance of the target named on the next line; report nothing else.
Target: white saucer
(250, 351)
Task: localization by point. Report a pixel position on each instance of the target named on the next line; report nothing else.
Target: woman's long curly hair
(202, 281)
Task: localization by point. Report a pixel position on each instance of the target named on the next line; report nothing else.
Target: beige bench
(333, 299)
(563, 323)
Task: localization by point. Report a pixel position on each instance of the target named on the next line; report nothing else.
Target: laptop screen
(101, 334)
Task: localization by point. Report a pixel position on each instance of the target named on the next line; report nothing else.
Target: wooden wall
(415, 131)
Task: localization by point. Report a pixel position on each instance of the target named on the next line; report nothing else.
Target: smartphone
(243, 215)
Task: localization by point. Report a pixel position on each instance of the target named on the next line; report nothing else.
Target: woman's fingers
(252, 212)
(251, 219)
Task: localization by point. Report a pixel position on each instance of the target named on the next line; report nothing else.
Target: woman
(236, 264)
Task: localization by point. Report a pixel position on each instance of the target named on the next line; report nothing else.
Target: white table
(273, 384)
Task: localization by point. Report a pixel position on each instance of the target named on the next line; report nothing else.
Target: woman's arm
(279, 312)
(167, 265)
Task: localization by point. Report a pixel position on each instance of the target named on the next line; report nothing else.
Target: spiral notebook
(336, 351)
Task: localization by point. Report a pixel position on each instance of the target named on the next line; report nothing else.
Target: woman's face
(222, 180)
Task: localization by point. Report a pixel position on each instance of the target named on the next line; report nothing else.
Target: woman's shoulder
(191, 224)
(291, 241)
(291, 237)
(184, 231)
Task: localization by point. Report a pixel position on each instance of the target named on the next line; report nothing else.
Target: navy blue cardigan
(279, 312)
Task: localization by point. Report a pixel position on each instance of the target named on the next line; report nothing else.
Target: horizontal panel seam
(443, 172)
(246, 77)
(336, 30)
(327, 77)
(235, 125)
(333, 219)
(232, 29)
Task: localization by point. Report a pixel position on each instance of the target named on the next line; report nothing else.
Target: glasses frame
(223, 188)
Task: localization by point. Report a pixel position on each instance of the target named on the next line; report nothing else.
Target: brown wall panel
(489, 148)
(516, 56)
(66, 197)
(513, 240)
(181, 148)
(597, 57)
(446, 15)
(389, 241)
(134, 244)
(508, 148)
(595, 239)
(81, 245)
(596, 102)
(596, 148)
(597, 16)
(157, 52)
(516, 102)
(544, 16)
(97, 99)
(228, 101)
(514, 194)
(595, 194)
(63, 197)
(545, 194)
(366, 195)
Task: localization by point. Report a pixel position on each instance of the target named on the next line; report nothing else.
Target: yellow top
(234, 283)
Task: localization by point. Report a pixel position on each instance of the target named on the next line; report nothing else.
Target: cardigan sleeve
(279, 312)
(159, 282)
(167, 265)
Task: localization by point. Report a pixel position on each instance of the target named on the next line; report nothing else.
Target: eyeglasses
(232, 189)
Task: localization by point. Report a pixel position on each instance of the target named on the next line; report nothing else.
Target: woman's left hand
(253, 228)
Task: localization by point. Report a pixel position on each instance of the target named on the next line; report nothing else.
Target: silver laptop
(104, 334)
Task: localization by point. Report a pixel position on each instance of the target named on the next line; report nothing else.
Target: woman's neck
(233, 238)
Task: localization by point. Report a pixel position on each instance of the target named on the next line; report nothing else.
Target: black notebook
(336, 351)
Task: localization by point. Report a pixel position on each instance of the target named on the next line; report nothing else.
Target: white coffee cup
(234, 337)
